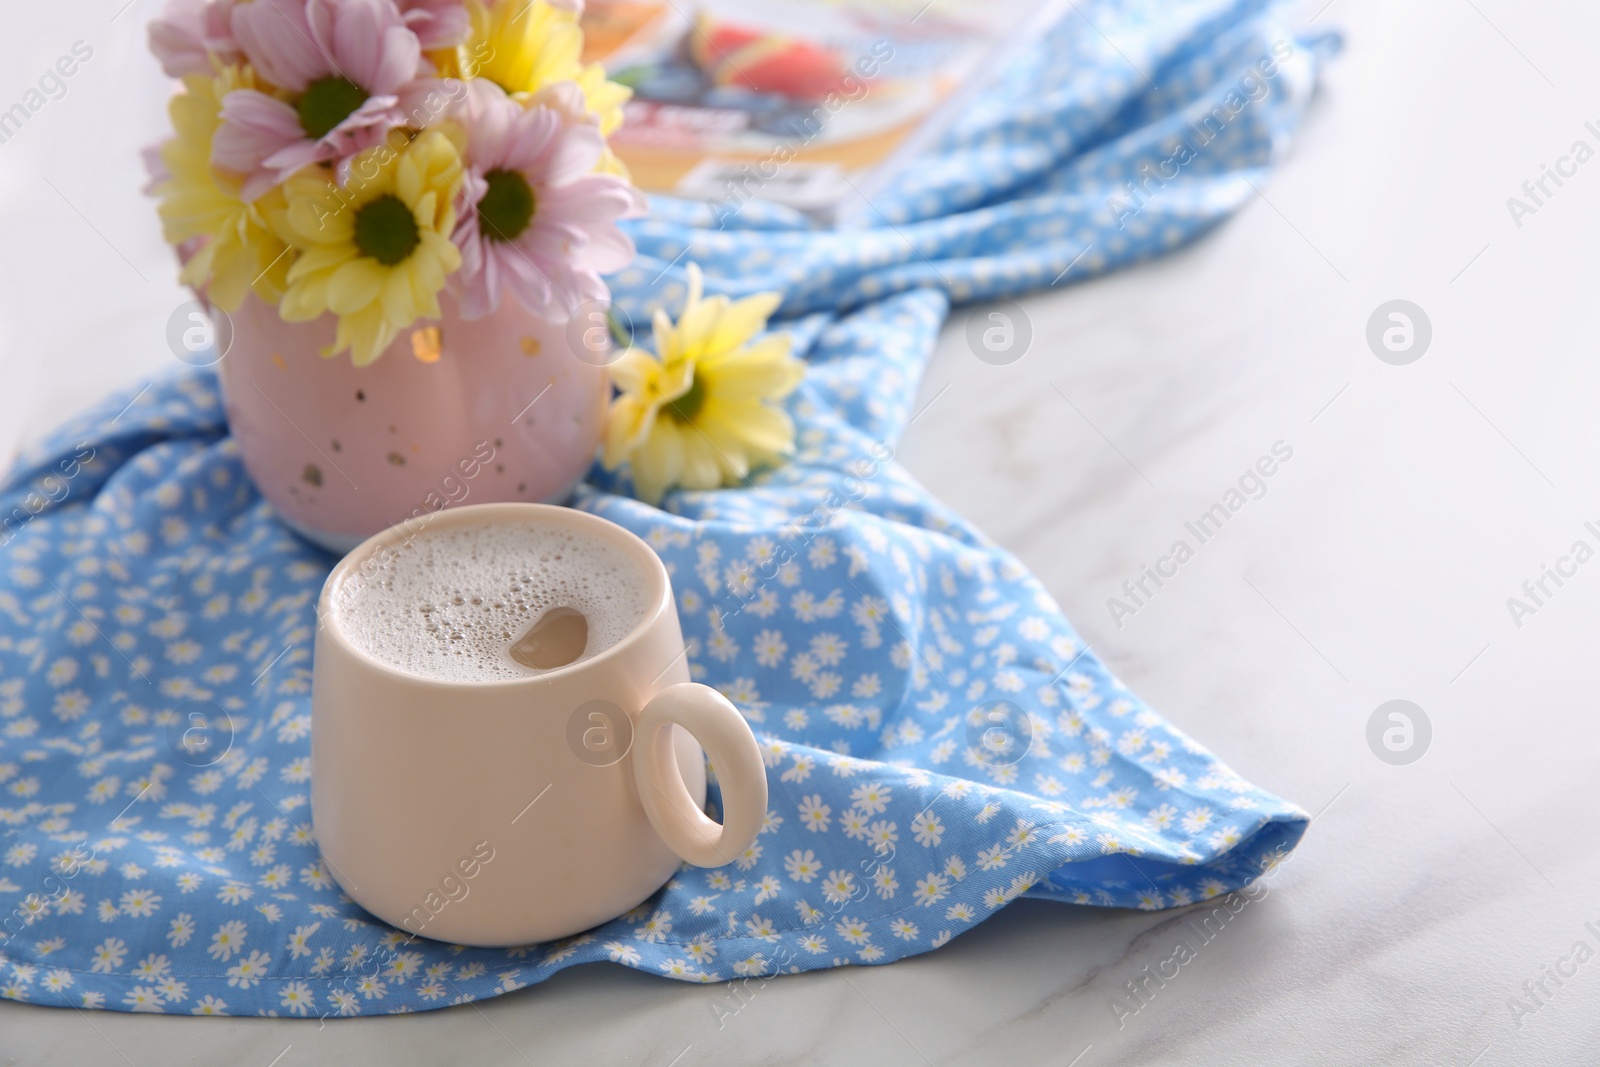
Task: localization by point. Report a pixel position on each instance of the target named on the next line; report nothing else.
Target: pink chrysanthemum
(350, 68)
(536, 221)
(189, 32)
(437, 23)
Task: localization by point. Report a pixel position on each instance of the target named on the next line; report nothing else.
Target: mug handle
(719, 728)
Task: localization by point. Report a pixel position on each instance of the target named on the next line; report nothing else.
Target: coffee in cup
(491, 602)
(511, 681)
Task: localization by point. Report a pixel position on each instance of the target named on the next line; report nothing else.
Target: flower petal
(764, 372)
(254, 126)
(635, 371)
(658, 462)
(701, 469)
(574, 155)
(276, 38)
(354, 285)
(760, 426)
(741, 320)
(628, 424)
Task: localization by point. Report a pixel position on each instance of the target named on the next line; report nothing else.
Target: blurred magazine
(815, 104)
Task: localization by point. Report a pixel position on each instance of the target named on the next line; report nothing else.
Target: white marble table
(1377, 566)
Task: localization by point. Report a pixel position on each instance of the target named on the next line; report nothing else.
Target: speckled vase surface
(489, 411)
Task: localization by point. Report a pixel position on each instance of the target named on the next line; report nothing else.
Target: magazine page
(802, 102)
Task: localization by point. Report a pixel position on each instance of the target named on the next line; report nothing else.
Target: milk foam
(450, 603)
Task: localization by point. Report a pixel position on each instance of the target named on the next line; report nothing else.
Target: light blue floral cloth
(939, 740)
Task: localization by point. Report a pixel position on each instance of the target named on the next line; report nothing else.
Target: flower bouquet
(422, 182)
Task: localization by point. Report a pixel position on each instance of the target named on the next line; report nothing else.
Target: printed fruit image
(733, 55)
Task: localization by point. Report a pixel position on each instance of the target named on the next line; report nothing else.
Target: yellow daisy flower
(704, 410)
(376, 250)
(605, 98)
(524, 46)
(239, 249)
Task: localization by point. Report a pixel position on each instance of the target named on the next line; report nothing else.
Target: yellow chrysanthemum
(376, 250)
(703, 411)
(605, 99)
(239, 250)
(524, 46)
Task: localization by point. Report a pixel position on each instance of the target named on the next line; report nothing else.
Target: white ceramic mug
(508, 812)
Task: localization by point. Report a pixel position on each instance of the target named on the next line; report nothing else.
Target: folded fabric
(939, 740)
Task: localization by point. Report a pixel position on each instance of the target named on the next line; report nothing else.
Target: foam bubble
(449, 603)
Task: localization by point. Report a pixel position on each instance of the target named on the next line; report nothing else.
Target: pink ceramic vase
(490, 411)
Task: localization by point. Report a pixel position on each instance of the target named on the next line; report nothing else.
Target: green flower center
(385, 230)
(507, 206)
(328, 102)
(687, 406)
